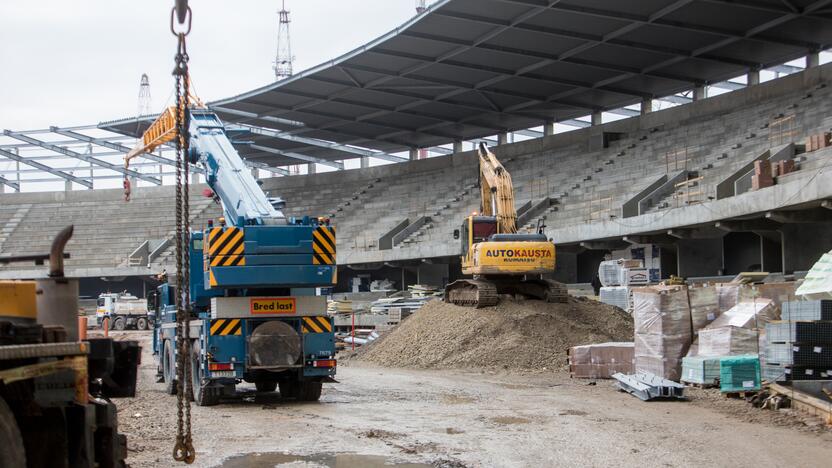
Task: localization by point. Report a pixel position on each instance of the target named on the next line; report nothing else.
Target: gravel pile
(515, 335)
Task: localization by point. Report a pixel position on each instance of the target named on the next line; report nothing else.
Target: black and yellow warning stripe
(317, 325)
(323, 245)
(224, 242)
(228, 260)
(226, 327)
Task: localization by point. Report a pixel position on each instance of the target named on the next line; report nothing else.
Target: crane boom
(497, 192)
(244, 202)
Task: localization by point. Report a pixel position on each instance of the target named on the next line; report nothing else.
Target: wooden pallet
(701, 385)
(743, 395)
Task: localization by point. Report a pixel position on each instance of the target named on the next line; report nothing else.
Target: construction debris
(647, 386)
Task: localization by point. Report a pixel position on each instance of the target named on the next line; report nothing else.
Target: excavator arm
(497, 192)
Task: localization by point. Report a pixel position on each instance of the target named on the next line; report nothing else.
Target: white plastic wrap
(748, 314)
(727, 341)
(704, 306)
(662, 329)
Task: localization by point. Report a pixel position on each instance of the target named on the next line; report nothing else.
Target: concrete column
(753, 77)
(68, 185)
(414, 154)
(548, 128)
(597, 118)
(365, 162)
(646, 106)
(813, 59)
(255, 172)
(311, 168)
(502, 138)
(803, 244)
(699, 92)
(458, 146)
(2, 188)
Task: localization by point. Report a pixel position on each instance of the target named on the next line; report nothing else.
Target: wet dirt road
(455, 419)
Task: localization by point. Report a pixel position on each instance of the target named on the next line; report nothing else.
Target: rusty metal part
(56, 252)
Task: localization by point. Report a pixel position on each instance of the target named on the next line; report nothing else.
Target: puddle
(326, 460)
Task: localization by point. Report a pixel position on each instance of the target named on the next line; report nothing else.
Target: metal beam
(266, 167)
(11, 184)
(82, 157)
(45, 168)
(300, 157)
(321, 143)
(118, 147)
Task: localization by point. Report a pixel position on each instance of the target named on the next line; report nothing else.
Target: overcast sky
(79, 62)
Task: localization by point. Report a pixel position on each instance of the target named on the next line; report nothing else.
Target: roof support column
(458, 146)
(597, 118)
(68, 185)
(699, 92)
(753, 77)
(311, 168)
(365, 162)
(502, 139)
(813, 59)
(2, 188)
(255, 173)
(646, 106)
(548, 128)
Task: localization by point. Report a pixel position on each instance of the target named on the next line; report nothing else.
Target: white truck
(123, 310)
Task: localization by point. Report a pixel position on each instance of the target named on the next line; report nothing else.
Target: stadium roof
(465, 69)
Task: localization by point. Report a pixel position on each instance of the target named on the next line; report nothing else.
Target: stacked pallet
(739, 374)
(799, 347)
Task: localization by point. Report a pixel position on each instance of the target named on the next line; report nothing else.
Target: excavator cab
(476, 229)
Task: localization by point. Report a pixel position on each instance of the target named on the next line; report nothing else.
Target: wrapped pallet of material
(727, 341)
(610, 272)
(618, 296)
(704, 306)
(751, 314)
(818, 282)
(777, 292)
(700, 370)
(662, 329)
(600, 361)
(729, 294)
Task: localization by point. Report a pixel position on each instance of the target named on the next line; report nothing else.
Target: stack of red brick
(762, 177)
(782, 168)
(818, 141)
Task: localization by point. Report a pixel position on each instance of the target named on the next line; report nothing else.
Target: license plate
(223, 373)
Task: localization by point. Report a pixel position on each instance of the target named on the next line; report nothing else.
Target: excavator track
(556, 292)
(476, 293)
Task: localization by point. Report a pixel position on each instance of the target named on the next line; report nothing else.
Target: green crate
(739, 373)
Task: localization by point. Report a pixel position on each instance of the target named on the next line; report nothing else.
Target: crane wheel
(169, 368)
(309, 391)
(12, 452)
(204, 394)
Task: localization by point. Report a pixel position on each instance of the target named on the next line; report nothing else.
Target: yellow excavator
(501, 260)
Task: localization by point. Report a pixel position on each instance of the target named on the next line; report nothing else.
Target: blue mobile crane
(253, 278)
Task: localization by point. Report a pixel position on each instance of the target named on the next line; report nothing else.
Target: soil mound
(514, 334)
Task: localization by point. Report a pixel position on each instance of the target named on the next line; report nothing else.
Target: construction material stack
(662, 330)
(799, 347)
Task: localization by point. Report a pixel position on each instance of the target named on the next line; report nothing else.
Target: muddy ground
(454, 419)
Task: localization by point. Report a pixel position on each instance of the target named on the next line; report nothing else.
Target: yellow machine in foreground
(501, 260)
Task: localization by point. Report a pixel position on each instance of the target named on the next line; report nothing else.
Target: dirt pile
(515, 334)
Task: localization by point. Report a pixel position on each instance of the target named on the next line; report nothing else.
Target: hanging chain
(183, 449)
